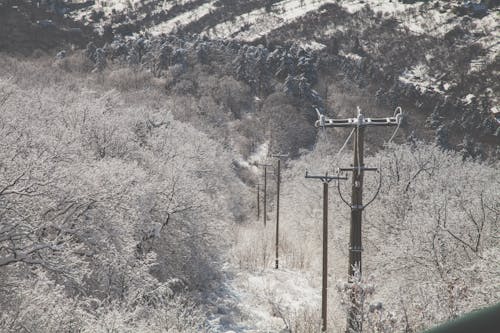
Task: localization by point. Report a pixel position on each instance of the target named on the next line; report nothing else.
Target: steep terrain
(132, 129)
(438, 59)
(25, 28)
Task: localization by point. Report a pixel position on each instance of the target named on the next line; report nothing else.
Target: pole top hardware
(358, 169)
(360, 120)
(325, 178)
(321, 119)
(279, 155)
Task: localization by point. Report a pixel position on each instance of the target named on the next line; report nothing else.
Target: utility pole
(278, 182)
(324, 289)
(258, 201)
(358, 168)
(265, 190)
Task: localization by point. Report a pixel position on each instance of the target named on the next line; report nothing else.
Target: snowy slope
(267, 301)
(251, 20)
(260, 22)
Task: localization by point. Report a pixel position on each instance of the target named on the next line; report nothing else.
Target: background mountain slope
(439, 59)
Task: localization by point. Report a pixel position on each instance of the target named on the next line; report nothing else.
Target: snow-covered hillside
(252, 19)
(136, 131)
(311, 24)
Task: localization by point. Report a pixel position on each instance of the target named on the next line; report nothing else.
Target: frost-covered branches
(429, 237)
(109, 213)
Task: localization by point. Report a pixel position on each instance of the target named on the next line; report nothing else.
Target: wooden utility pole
(355, 239)
(324, 289)
(265, 190)
(258, 201)
(278, 182)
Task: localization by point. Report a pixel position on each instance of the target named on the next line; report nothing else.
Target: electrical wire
(336, 158)
(326, 137)
(398, 113)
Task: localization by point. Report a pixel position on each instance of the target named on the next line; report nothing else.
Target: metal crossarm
(359, 169)
(325, 178)
(358, 121)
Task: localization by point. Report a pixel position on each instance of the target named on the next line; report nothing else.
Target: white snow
(420, 78)
(469, 98)
(311, 45)
(376, 5)
(263, 295)
(182, 19)
(352, 56)
(258, 23)
(259, 156)
(489, 26)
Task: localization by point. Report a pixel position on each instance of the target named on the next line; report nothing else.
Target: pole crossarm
(359, 121)
(325, 178)
(279, 155)
(361, 168)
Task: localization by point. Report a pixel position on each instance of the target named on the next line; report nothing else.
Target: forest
(131, 168)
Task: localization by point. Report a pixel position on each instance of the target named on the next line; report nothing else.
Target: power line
(398, 112)
(335, 159)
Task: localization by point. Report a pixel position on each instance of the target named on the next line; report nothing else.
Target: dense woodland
(128, 176)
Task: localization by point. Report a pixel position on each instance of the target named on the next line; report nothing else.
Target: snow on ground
(433, 18)
(260, 154)
(261, 293)
(266, 300)
(311, 45)
(107, 6)
(118, 5)
(376, 5)
(417, 21)
(183, 19)
(490, 27)
(353, 56)
(255, 24)
(420, 78)
(122, 6)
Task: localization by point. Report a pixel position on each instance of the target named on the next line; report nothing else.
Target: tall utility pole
(258, 201)
(278, 182)
(324, 289)
(355, 239)
(265, 190)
